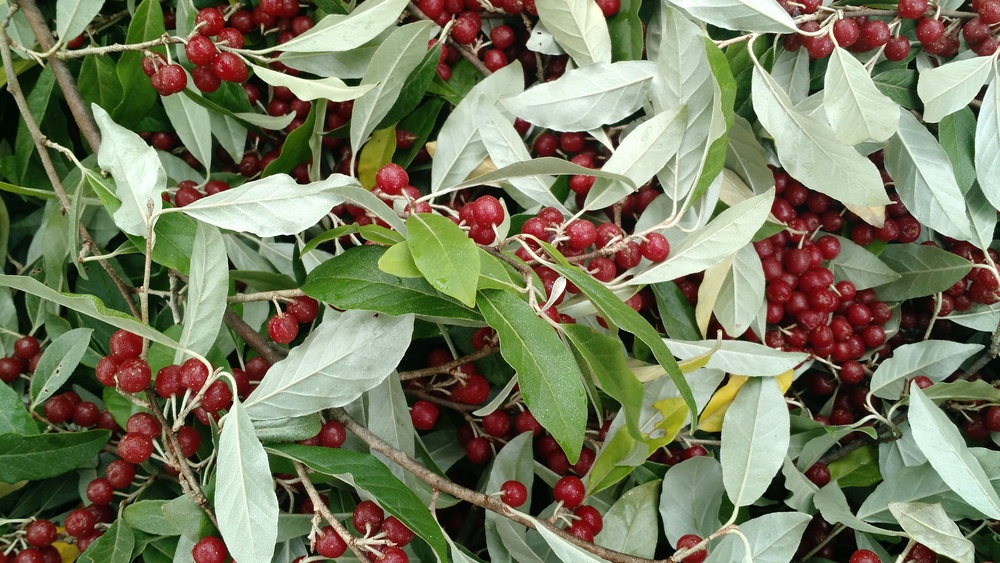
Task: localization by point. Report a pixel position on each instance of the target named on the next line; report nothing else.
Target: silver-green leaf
(755, 434)
(855, 108)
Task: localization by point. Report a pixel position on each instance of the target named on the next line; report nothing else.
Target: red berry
(367, 517)
(819, 474)
(186, 195)
(135, 448)
(282, 328)
(193, 374)
(120, 473)
(40, 533)
(100, 491)
(210, 549)
(304, 309)
(58, 409)
(329, 543)
(688, 541)
(168, 381)
(25, 347)
(570, 491)
(189, 440)
(144, 424)
(929, 30)
(392, 178)
(397, 532)
(581, 530)
(204, 79)
(656, 247)
(864, 556)
(609, 7)
(514, 493)
(229, 67)
(494, 60)
(133, 375)
(502, 36)
(210, 20)
(424, 415)
(846, 31)
(200, 50)
(170, 80)
(896, 49)
(231, 37)
(152, 63)
(497, 423)
(218, 396)
(466, 28)
(85, 414)
(79, 522)
(478, 450)
(125, 345)
(911, 9)
(332, 434)
(488, 211)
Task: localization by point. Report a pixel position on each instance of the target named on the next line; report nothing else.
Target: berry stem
(319, 505)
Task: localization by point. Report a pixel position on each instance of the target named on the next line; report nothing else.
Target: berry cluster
(382, 538)
(282, 328)
(27, 352)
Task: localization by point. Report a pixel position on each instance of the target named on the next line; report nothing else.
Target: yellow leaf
(8, 488)
(376, 153)
(709, 290)
(715, 410)
(874, 216)
(675, 412)
(711, 416)
(695, 363)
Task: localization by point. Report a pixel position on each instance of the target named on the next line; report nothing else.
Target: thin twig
(267, 349)
(320, 505)
(67, 83)
(265, 296)
(487, 350)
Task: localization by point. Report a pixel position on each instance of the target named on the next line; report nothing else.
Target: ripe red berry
(656, 247)
(424, 415)
(846, 31)
(570, 491)
(125, 345)
(189, 440)
(929, 30)
(392, 178)
(819, 474)
(25, 347)
(497, 423)
(502, 36)
(210, 21)
(120, 473)
(911, 9)
(864, 556)
(135, 448)
(133, 375)
(514, 493)
(367, 517)
(152, 63)
(86, 414)
(100, 491)
(609, 7)
(304, 309)
(168, 381)
(229, 67)
(329, 543)
(232, 37)
(200, 50)
(210, 549)
(397, 532)
(40, 533)
(282, 328)
(170, 80)
(193, 374)
(79, 522)
(474, 390)
(688, 541)
(590, 516)
(582, 233)
(332, 434)
(494, 60)
(478, 450)
(581, 530)
(58, 409)
(488, 210)
(896, 49)
(466, 28)
(144, 424)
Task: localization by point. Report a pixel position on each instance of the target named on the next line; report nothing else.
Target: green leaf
(579, 27)
(549, 378)
(602, 355)
(373, 476)
(957, 134)
(188, 119)
(353, 280)
(47, 455)
(859, 266)
(414, 89)
(208, 284)
(446, 256)
(98, 81)
(856, 109)
(585, 98)
(138, 95)
(810, 152)
(331, 88)
(950, 87)
(738, 15)
(923, 270)
(833, 505)
(342, 33)
(287, 429)
(114, 546)
(791, 72)
(148, 516)
(245, 502)
(421, 123)
(925, 180)
(513, 462)
(987, 143)
(691, 498)
(900, 85)
(676, 312)
(398, 261)
(728, 232)
(271, 206)
(387, 72)
(738, 356)
(297, 147)
(632, 521)
(563, 549)
(943, 445)
(623, 316)
(772, 537)
(187, 518)
(755, 434)
(88, 305)
(742, 292)
(57, 363)
(625, 29)
(936, 359)
(930, 525)
(139, 176)
(342, 358)
(640, 155)
(14, 418)
(73, 16)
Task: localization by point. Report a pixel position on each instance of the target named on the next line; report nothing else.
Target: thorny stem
(320, 505)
